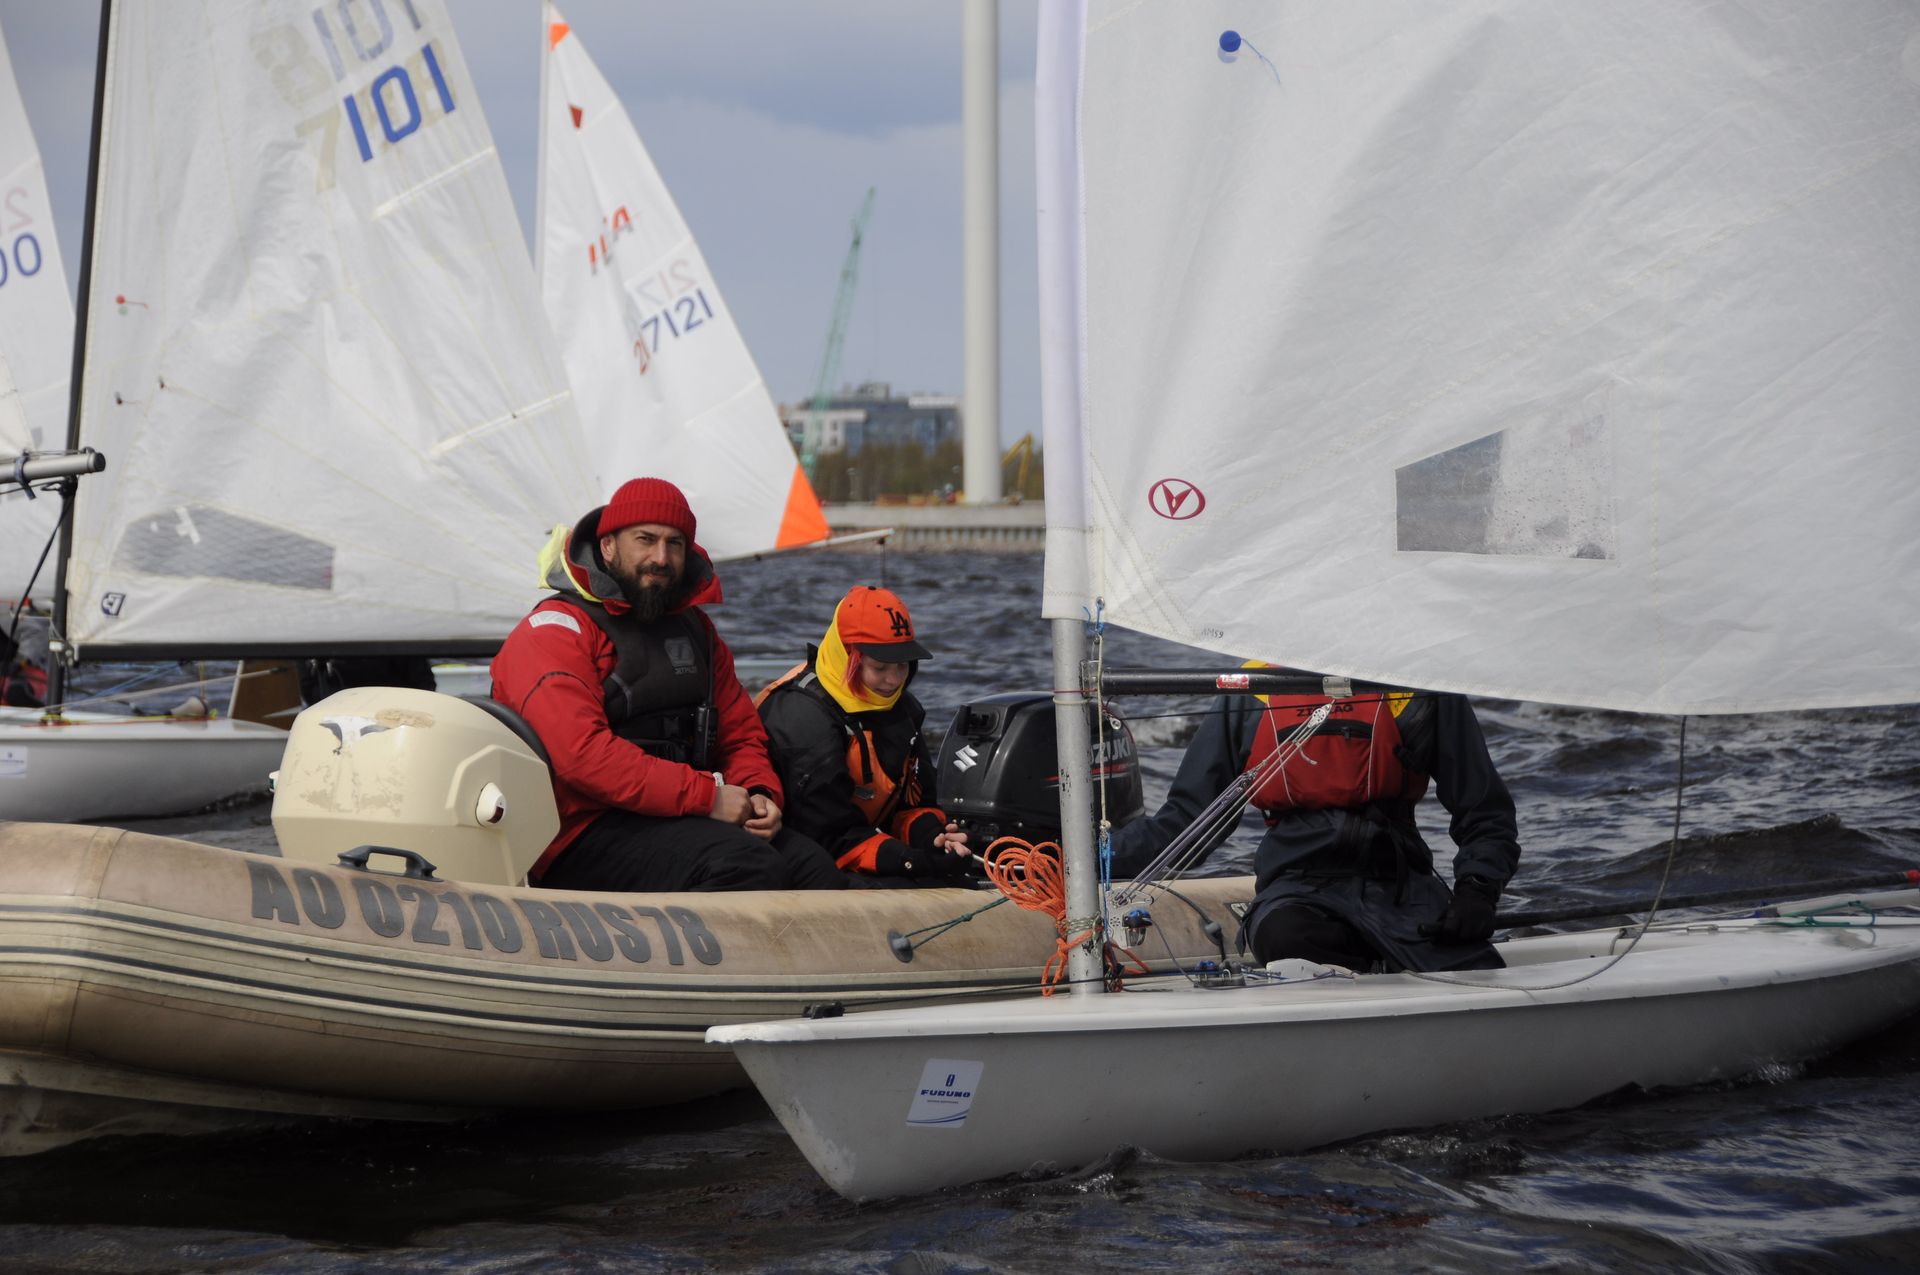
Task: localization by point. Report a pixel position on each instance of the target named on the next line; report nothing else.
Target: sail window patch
(1539, 489)
(196, 541)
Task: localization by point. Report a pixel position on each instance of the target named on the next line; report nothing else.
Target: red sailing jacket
(551, 670)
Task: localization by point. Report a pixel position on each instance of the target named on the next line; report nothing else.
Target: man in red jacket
(659, 760)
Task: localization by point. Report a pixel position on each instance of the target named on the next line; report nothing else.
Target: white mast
(980, 141)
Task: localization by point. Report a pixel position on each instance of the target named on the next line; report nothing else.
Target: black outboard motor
(1000, 774)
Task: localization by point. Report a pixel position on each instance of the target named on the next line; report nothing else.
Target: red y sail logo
(1177, 499)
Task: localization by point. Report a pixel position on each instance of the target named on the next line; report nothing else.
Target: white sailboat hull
(1192, 1074)
(102, 766)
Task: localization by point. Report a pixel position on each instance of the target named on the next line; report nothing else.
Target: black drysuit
(1365, 866)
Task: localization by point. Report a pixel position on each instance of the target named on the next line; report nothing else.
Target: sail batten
(334, 413)
(1543, 354)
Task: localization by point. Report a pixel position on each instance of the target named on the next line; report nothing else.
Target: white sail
(1558, 352)
(36, 338)
(665, 383)
(315, 357)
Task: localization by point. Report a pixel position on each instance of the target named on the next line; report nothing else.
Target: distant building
(871, 414)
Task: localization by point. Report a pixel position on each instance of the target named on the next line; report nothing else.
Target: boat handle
(418, 868)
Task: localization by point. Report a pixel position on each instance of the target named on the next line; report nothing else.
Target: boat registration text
(437, 916)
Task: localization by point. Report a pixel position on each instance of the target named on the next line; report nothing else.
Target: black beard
(651, 600)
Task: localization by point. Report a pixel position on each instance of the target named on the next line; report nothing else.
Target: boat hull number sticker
(13, 762)
(944, 1095)
(564, 930)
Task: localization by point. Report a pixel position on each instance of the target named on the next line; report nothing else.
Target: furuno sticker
(13, 762)
(945, 1094)
(394, 907)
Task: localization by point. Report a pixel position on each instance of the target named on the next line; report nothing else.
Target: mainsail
(36, 338)
(1563, 353)
(665, 383)
(314, 355)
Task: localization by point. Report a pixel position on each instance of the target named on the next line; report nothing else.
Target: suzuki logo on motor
(966, 758)
(1176, 499)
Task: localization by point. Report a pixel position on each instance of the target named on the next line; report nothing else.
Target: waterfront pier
(1008, 527)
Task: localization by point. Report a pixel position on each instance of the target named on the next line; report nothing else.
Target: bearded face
(649, 564)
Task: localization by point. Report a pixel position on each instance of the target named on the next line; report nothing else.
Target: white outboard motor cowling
(416, 771)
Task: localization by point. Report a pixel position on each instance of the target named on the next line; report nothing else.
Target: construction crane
(838, 329)
(1024, 450)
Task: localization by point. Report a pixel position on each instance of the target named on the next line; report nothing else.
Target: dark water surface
(1814, 1169)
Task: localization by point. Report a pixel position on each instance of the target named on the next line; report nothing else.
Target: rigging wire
(1653, 909)
(1218, 816)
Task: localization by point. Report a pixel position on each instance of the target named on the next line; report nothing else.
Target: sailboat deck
(1689, 959)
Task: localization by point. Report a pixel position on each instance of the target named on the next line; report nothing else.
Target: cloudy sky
(769, 119)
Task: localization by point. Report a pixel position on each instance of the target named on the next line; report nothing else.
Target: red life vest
(1354, 757)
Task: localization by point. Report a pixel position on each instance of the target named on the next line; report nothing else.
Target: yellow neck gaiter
(832, 663)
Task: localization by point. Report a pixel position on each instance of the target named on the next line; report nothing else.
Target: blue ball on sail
(1229, 41)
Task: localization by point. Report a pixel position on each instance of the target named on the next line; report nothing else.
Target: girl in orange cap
(846, 737)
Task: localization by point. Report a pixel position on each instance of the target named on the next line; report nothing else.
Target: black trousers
(1296, 930)
(631, 853)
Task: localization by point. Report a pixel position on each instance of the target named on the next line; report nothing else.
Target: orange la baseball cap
(875, 622)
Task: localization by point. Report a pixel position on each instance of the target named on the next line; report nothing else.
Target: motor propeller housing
(999, 772)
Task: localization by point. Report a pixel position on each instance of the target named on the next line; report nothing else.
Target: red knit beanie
(647, 500)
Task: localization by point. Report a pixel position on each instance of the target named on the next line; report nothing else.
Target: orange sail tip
(556, 32)
(803, 522)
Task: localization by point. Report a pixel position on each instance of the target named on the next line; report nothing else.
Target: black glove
(898, 859)
(1469, 918)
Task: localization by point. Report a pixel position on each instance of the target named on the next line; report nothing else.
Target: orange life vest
(1352, 758)
(888, 802)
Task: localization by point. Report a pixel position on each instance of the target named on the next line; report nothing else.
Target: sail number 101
(392, 102)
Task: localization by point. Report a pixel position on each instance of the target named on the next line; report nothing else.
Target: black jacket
(808, 735)
(1369, 866)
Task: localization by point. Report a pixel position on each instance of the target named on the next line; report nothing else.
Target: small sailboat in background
(36, 353)
(1546, 353)
(36, 338)
(335, 417)
(662, 375)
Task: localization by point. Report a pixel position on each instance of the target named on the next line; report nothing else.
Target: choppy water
(1816, 1169)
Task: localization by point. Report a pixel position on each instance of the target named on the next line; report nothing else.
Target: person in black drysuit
(847, 738)
(1342, 875)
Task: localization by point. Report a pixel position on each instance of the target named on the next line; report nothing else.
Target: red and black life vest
(1358, 755)
(660, 693)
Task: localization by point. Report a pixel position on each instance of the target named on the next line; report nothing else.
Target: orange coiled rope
(1030, 876)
